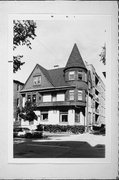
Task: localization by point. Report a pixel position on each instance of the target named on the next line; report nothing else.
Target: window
(64, 117)
(44, 116)
(47, 98)
(29, 98)
(71, 95)
(77, 116)
(18, 87)
(80, 75)
(79, 95)
(37, 80)
(34, 98)
(17, 102)
(71, 75)
(85, 77)
(60, 97)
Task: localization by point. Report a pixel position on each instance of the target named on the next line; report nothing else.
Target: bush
(37, 135)
(34, 135)
(76, 129)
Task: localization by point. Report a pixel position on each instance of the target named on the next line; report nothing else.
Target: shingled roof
(75, 59)
(46, 73)
(57, 76)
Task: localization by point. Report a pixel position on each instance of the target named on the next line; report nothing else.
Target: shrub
(76, 129)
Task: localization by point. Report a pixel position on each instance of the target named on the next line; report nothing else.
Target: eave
(61, 88)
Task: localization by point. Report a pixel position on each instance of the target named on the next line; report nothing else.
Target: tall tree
(23, 33)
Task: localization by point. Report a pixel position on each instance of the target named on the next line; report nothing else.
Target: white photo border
(55, 17)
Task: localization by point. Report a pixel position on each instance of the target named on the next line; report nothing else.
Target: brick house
(17, 86)
(62, 96)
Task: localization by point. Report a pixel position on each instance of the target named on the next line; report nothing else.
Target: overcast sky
(55, 40)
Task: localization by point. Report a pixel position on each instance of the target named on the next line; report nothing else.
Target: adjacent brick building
(17, 86)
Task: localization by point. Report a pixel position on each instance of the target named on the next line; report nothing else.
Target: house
(61, 96)
(17, 86)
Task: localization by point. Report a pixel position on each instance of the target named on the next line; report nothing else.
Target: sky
(55, 40)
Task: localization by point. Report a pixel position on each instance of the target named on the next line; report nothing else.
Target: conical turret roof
(75, 59)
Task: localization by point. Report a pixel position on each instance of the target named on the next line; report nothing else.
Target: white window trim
(72, 73)
(80, 99)
(71, 92)
(36, 79)
(61, 114)
(44, 112)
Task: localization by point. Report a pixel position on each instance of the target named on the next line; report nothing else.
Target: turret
(75, 71)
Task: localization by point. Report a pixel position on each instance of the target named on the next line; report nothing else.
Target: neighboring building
(17, 86)
(64, 95)
(98, 102)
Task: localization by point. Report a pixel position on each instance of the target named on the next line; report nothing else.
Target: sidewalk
(93, 140)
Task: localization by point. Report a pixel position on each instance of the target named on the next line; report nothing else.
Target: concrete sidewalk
(93, 140)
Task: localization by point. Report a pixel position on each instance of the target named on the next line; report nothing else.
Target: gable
(42, 75)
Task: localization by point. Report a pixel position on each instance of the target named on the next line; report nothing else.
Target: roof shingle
(75, 59)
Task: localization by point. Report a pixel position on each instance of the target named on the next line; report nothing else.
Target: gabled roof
(45, 72)
(18, 82)
(75, 59)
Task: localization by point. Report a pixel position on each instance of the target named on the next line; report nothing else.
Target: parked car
(27, 133)
(21, 132)
(99, 130)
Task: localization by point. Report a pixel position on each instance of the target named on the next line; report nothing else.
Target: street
(60, 146)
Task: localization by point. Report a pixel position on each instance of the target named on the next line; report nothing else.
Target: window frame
(71, 92)
(29, 95)
(80, 73)
(35, 82)
(63, 114)
(71, 73)
(33, 98)
(80, 92)
(44, 113)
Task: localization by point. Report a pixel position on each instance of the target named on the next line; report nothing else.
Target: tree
(27, 113)
(103, 55)
(23, 33)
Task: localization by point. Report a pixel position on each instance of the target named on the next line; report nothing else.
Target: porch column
(71, 116)
(82, 118)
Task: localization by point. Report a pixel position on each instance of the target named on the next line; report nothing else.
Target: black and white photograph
(59, 95)
(59, 75)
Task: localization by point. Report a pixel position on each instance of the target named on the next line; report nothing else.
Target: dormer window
(71, 75)
(80, 75)
(37, 80)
